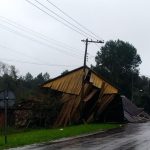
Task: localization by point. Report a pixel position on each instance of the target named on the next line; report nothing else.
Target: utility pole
(86, 47)
(84, 67)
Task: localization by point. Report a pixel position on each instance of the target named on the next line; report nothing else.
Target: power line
(23, 54)
(36, 1)
(81, 32)
(37, 34)
(32, 38)
(35, 40)
(20, 53)
(73, 19)
(64, 19)
(35, 63)
(56, 18)
(51, 15)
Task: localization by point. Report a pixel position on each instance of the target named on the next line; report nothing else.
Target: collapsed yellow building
(85, 95)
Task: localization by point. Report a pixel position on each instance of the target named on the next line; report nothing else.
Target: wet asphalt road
(130, 137)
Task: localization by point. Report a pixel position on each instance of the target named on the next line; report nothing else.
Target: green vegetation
(23, 137)
(118, 61)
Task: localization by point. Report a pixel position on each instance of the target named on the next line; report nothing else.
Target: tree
(4, 68)
(46, 76)
(13, 72)
(39, 79)
(64, 72)
(28, 77)
(118, 61)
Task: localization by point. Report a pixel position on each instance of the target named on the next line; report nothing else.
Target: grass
(24, 137)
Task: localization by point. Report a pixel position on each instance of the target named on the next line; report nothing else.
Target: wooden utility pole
(84, 67)
(84, 64)
(86, 47)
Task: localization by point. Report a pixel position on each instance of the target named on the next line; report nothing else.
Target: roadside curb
(83, 136)
(101, 133)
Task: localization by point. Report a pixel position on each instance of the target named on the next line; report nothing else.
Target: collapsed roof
(85, 94)
(71, 82)
(132, 113)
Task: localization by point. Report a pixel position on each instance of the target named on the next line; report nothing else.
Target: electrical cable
(73, 19)
(35, 40)
(20, 53)
(35, 63)
(56, 18)
(37, 34)
(64, 19)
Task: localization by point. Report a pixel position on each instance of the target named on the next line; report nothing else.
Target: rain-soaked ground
(131, 137)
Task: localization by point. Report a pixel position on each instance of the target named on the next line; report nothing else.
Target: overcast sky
(128, 20)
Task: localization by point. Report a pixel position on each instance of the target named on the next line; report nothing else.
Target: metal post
(148, 85)
(132, 88)
(6, 108)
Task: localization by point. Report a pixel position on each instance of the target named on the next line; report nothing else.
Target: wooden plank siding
(81, 102)
(72, 82)
(97, 81)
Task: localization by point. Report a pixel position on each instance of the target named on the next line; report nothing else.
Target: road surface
(131, 137)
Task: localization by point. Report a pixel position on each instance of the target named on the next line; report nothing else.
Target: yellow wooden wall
(72, 83)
